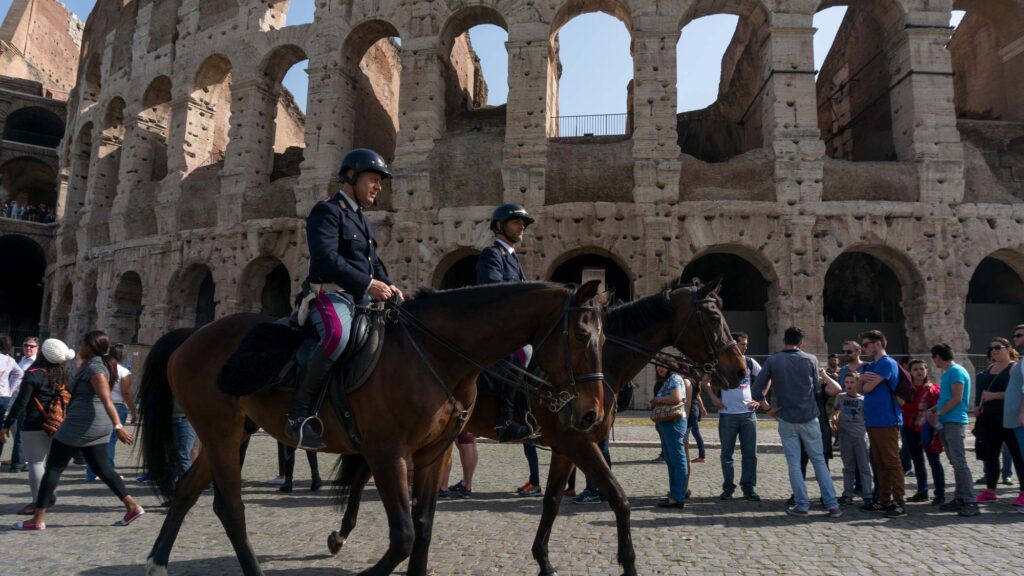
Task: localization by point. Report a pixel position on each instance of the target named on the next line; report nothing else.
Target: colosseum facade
(887, 190)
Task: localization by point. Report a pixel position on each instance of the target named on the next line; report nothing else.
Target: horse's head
(703, 334)
(570, 354)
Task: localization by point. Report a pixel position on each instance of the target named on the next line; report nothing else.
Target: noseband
(554, 396)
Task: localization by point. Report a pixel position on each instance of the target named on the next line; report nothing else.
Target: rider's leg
(511, 430)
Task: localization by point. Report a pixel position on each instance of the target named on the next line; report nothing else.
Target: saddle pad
(259, 358)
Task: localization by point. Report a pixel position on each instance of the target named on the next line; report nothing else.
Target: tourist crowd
(32, 212)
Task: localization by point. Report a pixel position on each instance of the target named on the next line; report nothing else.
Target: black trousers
(1002, 436)
(57, 460)
(286, 461)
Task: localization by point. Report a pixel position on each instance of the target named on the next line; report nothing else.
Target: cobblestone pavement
(491, 533)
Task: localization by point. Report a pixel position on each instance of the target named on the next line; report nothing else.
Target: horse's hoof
(334, 543)
(154, 569)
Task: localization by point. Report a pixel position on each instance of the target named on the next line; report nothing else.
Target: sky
(594, 51)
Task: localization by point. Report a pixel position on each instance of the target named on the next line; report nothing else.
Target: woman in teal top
(672, 392)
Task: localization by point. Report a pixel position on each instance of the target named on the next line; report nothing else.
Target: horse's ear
(607, 297)
(587, 292)
(711, 288)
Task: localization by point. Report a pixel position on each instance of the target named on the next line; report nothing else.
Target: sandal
(130, 517)
(29, 525)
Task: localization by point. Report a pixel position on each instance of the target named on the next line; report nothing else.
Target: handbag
(668, 412)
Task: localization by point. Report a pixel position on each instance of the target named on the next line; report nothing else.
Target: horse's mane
(471, 297)
(639, 314)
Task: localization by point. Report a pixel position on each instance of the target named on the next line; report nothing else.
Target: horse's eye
(581, 335)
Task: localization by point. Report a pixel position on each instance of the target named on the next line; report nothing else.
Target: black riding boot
(510, 430)
(318, 368)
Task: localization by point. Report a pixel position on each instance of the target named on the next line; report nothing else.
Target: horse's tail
(156, 407)
(347, 467)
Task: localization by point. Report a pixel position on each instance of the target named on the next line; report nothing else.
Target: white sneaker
(276, 481)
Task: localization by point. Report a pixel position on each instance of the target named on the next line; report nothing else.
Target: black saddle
(274, 354)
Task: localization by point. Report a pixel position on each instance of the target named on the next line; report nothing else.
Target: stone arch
(103, 186)
(60, 312)
(80, 157)
(873, 287)
(456, 270)
(266, 287)
(734, 123)
(370, 114)
(191, 295)
(854, 85)
(93, 81)
(988, 74)
(749, 290)
(573, 8)
(29, 181)
(146, 160)
(21, 286)
(590, 262)
(126, 308)
(467, 91)
(154, 124)
(209, 112)
(995, 298)
(34, 125)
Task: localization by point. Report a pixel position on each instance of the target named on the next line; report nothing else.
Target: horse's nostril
(588, 420)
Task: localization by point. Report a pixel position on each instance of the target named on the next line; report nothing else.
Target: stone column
(800, 302)
(923, 111)
(421, 118)
(790, 115)
(100, 189)
(655, 147)
(180, 161)
(249, 157)
(134, 157)
(330, 122)
(532, 101)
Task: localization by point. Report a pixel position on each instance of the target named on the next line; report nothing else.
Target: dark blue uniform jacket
(497, 265)
(343, 249)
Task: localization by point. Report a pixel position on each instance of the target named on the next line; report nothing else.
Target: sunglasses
(1018, 335)
(29, 346)
(997, 347)
(848, 352)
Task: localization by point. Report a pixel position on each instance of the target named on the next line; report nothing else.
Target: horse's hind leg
(360, 476)
(391, 474)
(186, 492)
(226, 462)
(427, 478)
(558, 475)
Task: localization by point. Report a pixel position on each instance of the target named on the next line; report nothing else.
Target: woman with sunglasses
(989, 432)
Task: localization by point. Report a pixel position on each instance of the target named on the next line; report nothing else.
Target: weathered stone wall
(40, 40)
(778, 202)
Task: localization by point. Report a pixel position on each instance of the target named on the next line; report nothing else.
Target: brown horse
(688, 318)
(407, 418)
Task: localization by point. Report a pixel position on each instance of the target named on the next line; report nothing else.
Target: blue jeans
(744, 427)
(807, 434)
(122, 413)
(534, 464)
(671, 434)
(912, 443)
(184, 438)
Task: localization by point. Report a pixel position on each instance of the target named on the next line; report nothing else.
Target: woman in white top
(121, 396)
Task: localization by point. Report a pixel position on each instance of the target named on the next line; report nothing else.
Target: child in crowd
(853, 443)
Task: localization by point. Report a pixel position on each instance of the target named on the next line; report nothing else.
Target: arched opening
(995, 299)
(126, 309)
(474, 114)
(721, 60)
(744, 295)
(193, 296)
(78, 179)
(148, 164)
(590, 71)
(854, 83)
(31, 183)
(589, 264)
(91, 87)
(108, 167)
(60, 314)
(456, 271)
(21, 286)
(373, 71)
(987, 59)
(863, 293)
(266, 287)
(34, 125)
(209, 117)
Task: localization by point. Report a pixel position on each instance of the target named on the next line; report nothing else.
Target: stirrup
(531, 422)
(302, 426)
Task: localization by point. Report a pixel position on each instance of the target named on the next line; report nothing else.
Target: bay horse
(408, 412)
(686, 317)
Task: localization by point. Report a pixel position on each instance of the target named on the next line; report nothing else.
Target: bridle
(680, 362)
(555, 397)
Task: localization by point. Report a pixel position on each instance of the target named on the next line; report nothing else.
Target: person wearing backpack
(87, 425)
(883, 419)
(44, 380)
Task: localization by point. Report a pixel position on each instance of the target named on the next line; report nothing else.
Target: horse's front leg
(558, 475)
(359, 475)
(391, 473)
(427, 477)
(593, 465)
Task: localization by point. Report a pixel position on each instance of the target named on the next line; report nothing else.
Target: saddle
(274, 354)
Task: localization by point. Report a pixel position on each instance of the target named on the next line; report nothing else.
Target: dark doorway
(995, 303)
(460, 274)
(275, 299)
(863, 293)
(21, 286)
(589, 266)
(205, 303)
(744, 295)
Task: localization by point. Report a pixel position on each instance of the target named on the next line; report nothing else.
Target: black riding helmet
(510, 212)
(362, 160)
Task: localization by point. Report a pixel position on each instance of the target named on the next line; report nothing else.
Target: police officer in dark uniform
(344, 271)
(498, 263)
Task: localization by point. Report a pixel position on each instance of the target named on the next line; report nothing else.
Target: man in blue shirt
(883, 419)
(950, 417)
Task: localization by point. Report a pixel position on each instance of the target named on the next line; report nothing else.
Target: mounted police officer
(498, 263)
(344, 271)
